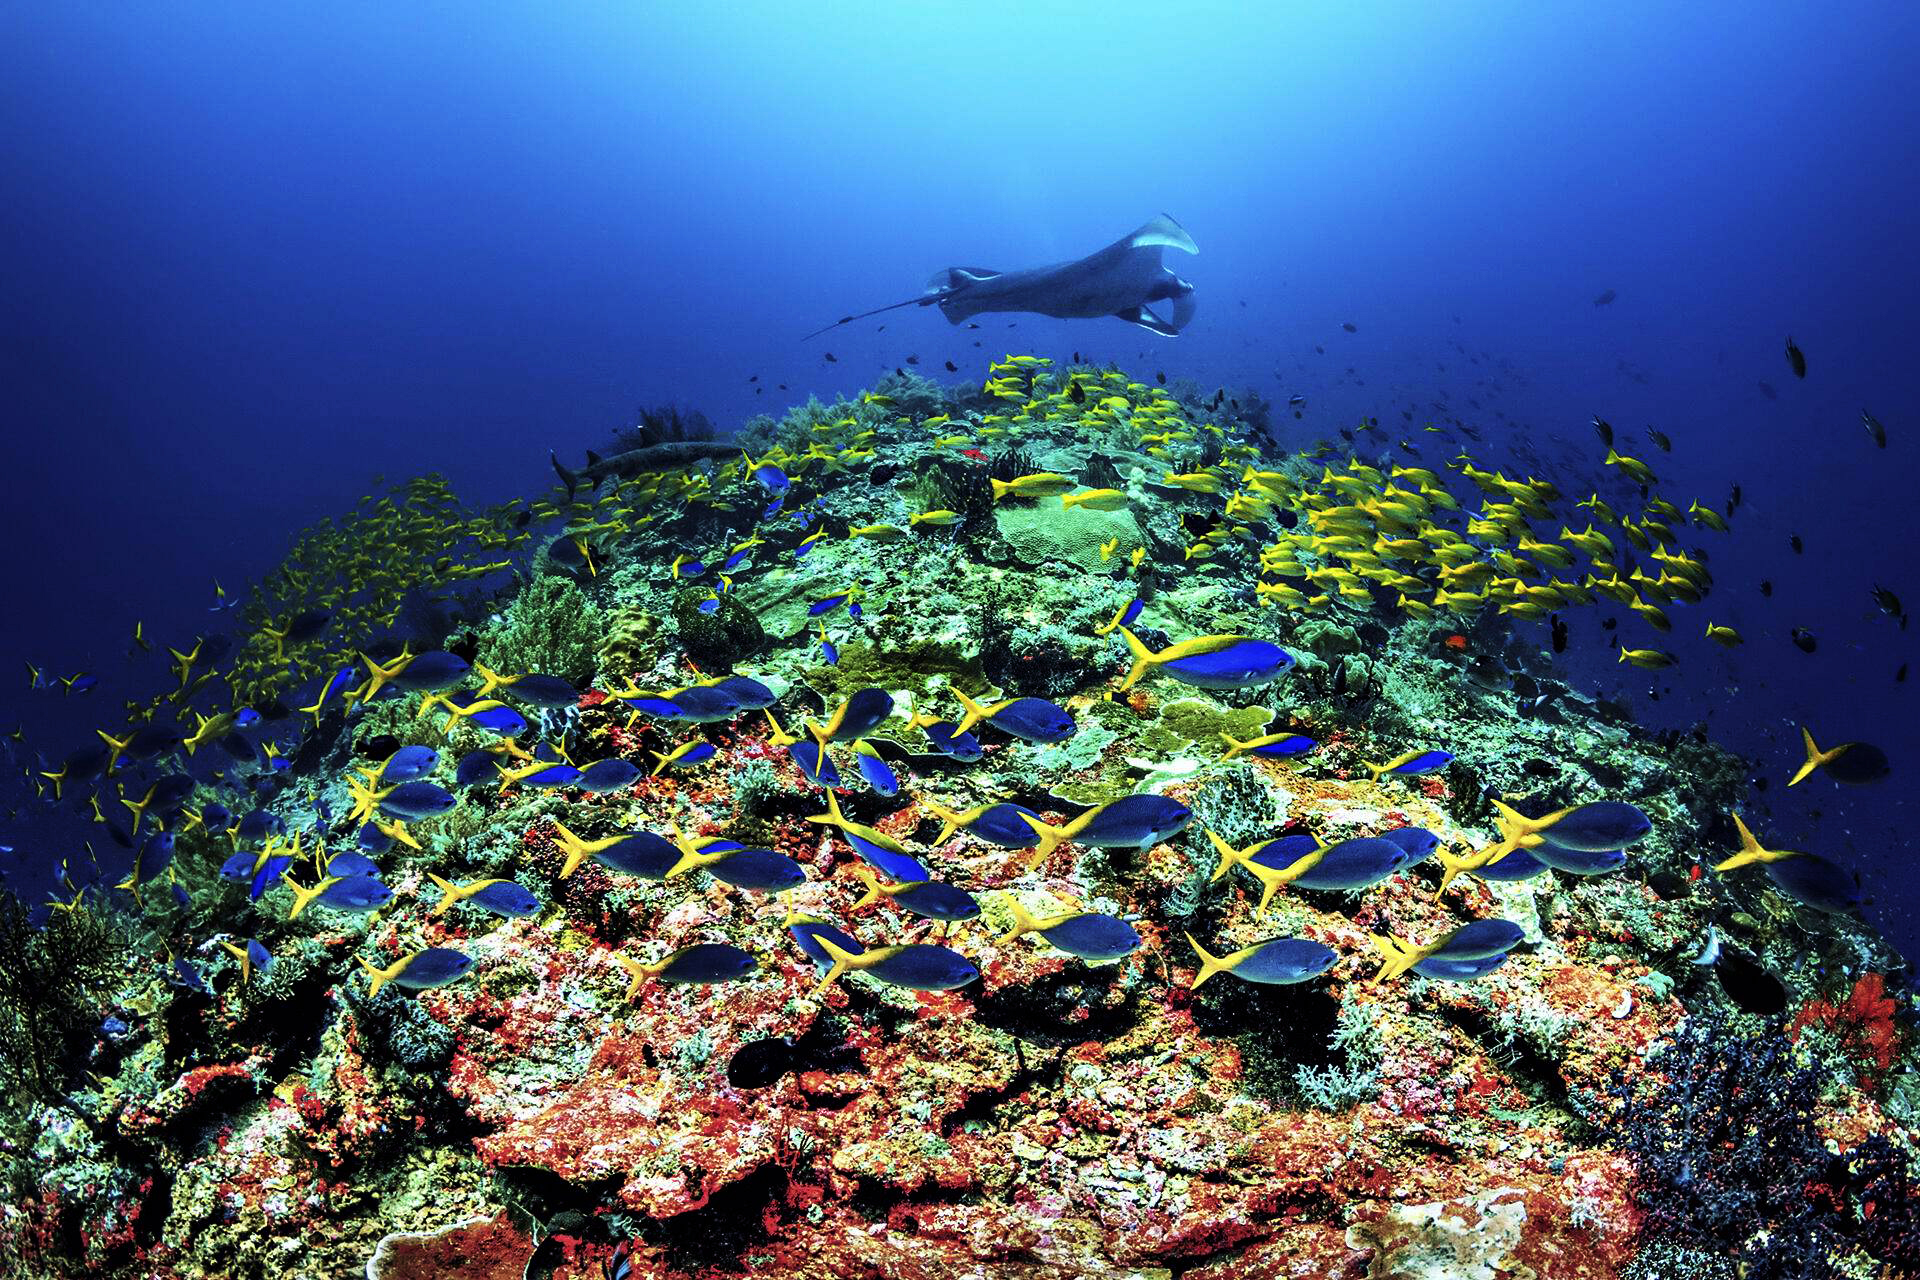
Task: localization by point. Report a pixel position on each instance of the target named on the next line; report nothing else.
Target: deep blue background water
(250, 258)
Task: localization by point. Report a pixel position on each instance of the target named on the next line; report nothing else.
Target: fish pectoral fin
(1163, 230)
(1149, 321)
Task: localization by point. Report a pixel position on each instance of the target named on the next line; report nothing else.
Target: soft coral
(1863, 1024)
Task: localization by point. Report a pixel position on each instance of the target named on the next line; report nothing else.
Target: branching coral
(48, 978)
(1862, 1023)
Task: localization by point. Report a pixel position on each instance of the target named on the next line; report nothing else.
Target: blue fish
(710, 604)
(501, 897)
(749, 693)
(1418, 842)
(816, 766)
(409, 763)
(432, 672)
(706, 703)
(352, 864)
(1479, 939)
(1001, 824)
(807, 932)
(215, 816)
(774, 480)
(1209, 662)
(919, 966)
(1813, 881)
(874, 771)
(343, 893)
(944, 736)
(1359, 863)
(1579, 862)
(828, 604)
(548, 692)
(613, 774)
(155, 856)
(1599, 827)
(930, 899)
(238, 866)
(700, 964)
(760, 870)
(372, 839)
(1092, 936)
(268, 875)
(554, 776)
(432, 967)
(1412, 764)
(828, 652)
(417, 800)
(1132, 822)
(859, 715)
(1029, 719)
(1459, 970)
(1276, 961)
(475, 767)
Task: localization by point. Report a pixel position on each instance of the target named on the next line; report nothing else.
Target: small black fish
(1609, 625)
(1660, 438)
(1076, 392)
(1805, 639)
(1748, 984)
(783, 386)
(1874, 429)
(1900, 676)
(1559, 633)
(1605, 298)
(952, 367)
(1317, 347)
(1766, 586)
(832, 358)
(1349, 328)
(754, 378)
(760, 1063)
(1889, 604)
(1768, 391)
(1796, 359)
(1604, 429)
(1793, 540)
(913, 359)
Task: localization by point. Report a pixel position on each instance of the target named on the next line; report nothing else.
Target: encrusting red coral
(1862, 1023)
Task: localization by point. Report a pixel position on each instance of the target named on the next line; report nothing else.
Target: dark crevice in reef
(1040, 1012)
(1534, 1072)
(721, 1231)
(1041, 1068)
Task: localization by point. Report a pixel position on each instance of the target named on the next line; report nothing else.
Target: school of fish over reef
(1033, 829)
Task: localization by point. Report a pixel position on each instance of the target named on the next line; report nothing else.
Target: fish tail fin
(975, 713)
(1001, 488)
(1209, 964)
(1234, 746)
(1452, 865)
(303, 895)
(659, 762)
(949, 820)
(1397, 956)
(1374, 770)
(377, 977)
(842, 961)
(1815, 756)
(1751, 850)
(874, 893)
(449, 893)
(1230, 857)
(1023, 922)
(567, 477)
(1047, 838)
(1143, 658)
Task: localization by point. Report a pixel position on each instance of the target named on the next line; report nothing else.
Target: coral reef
(1598, 1106)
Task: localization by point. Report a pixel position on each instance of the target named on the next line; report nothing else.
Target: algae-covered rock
(551, 627)
(1044, 534)
(720, 637)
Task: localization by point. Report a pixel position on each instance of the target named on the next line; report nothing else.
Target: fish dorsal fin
(1163, 230)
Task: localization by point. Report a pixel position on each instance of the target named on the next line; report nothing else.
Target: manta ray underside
(1119, 280)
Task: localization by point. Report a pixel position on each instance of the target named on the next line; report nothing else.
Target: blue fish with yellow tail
(1276, 961)
(1092, 936)
(1209, 662)
(918, 966)
(432, 967)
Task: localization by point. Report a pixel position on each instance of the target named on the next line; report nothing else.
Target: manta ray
(1119, 280)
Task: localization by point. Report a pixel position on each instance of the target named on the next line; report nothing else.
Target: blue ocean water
(255, 257)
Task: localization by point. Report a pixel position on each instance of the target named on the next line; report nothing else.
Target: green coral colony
(1026, 826)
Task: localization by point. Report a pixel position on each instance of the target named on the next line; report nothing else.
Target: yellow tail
(449, 893)
(1143, 658)
(378, 978)
(1209, 964)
